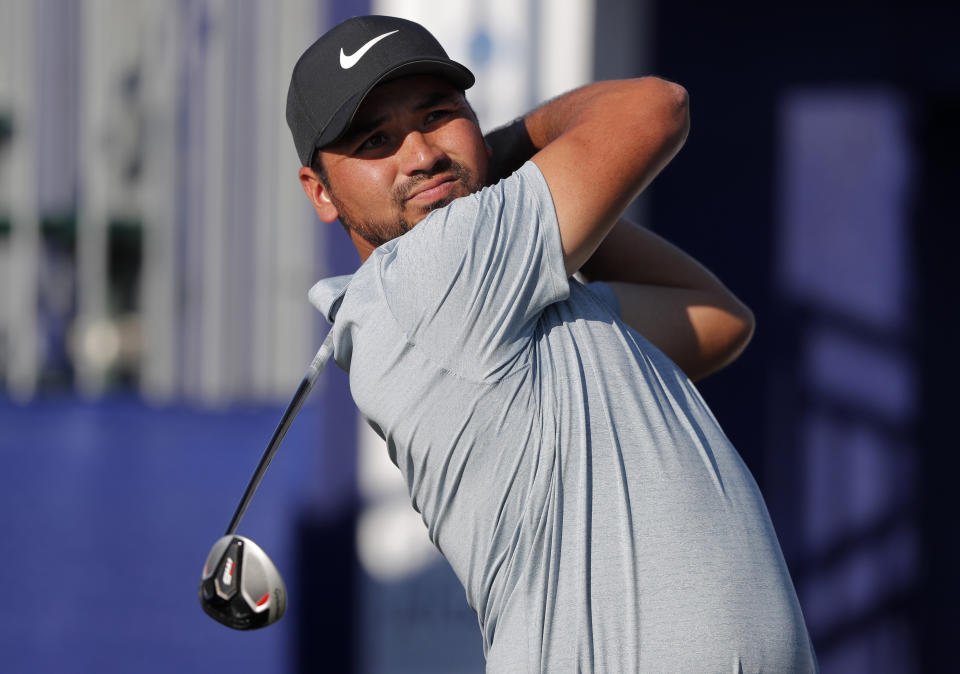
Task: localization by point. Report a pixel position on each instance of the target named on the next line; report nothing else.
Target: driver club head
(241, 588)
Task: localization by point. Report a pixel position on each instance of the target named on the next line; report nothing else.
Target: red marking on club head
(263, 599)
(206, 569)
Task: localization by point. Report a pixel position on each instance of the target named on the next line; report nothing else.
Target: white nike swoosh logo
(350, 61)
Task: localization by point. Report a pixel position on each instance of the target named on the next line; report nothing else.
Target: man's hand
(510, 148)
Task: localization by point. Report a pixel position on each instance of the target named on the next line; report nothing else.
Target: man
(548, 431)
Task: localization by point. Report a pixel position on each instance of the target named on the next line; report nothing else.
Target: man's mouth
(433, 190)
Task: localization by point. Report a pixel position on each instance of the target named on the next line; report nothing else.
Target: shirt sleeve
(467, 285)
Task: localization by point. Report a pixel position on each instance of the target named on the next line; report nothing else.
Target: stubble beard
(378, 233)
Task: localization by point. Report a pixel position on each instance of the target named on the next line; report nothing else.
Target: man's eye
(373, 142)
(435, 115)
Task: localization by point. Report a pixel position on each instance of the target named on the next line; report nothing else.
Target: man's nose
(418, 154)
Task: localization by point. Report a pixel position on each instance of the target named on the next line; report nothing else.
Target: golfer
(547, 428)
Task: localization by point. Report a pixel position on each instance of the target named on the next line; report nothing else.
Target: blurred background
(156, 250)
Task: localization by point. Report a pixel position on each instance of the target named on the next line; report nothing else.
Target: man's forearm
(515, 143)
(671, 299)
(634, 254)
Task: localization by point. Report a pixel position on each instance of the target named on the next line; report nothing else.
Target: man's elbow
(741, 325)
(721, 342)
(747, 325)
(674, 109)
(663, 115)
(680, 109)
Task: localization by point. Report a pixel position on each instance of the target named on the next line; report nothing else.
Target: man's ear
(318, 194)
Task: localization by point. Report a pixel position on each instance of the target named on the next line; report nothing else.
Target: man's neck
(364, 247)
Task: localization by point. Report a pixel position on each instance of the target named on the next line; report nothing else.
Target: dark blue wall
(107, 513)
(880, 595)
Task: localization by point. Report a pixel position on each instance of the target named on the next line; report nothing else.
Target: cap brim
(451, 71)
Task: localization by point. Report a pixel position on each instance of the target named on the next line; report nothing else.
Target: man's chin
(417, 213)
(441, 203)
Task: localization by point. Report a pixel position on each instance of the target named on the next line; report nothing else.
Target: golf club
(241, 587)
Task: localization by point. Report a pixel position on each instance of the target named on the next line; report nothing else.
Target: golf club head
(241, 588)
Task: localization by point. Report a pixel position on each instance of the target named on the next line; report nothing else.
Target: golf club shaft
(309, 379)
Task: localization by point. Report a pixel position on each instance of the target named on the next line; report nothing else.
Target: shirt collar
(327, 294)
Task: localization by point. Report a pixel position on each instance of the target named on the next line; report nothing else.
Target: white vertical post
(269, 21)
(7, 31)
(191, 195)
(565, 37)
(159, 27)
(22, 275)
(92, 215)
(503, 90)
(212, 290)
(286, 224)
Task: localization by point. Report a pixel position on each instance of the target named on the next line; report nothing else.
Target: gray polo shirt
(571, 474)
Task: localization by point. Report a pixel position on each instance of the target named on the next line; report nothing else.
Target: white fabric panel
(269, 182)
(287, 227)
(159, 27)
(19, 262)
(212, 384)
(566, 46)
(506, 61)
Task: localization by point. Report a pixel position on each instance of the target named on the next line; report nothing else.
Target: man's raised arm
(598, 147)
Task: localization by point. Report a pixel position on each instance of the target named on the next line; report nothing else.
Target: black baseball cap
(336, 73)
